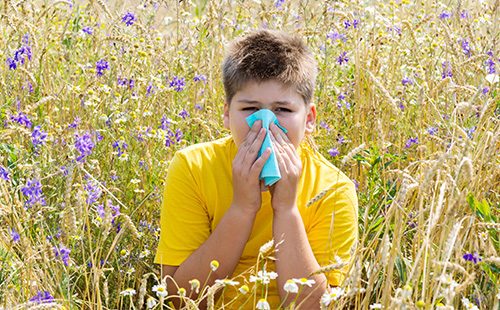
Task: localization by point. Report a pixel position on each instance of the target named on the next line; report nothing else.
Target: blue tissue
(270, 172)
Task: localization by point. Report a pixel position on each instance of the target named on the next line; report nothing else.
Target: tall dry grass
(428, 207)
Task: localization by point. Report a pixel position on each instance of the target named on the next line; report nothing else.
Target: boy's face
(288, 106)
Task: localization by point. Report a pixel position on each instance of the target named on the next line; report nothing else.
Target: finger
(253, 150)
(281, 156)
(280, 135)
(259, 163)
(282, 138)
(252, 134)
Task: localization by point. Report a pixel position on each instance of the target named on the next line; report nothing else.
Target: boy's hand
(247, 168)
(284, 192)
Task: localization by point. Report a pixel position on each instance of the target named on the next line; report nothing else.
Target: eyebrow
(258, 102)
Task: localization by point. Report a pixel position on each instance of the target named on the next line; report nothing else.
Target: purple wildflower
(410, 142)
(470, 131)
(14, 235)
(20, 54)
(149, 89)
(406, 81)
(75, 123)
(200, 77)
(121, 82)
(395, 29)
(177, 84)
(485, 90)
(445, 15)
(466, 47)
(401, 105)
(475, 258)
(98, 136)
(129, 18)
(178, 135)
(100, 66)
(126, 82)
(11, 63)
(33, 191)
(22, 119)
(84, 145)
(324, 125)
(100, 211)
(355, 23)
(114, 177)
(334, 36)
(184, 114)
(4, 173)
(340, 139)
(64, 170)
(446, 70)
(38, 137)
(42, 297)
(343, 58)
(121, 146)
(115, 211)
(432, 130)
(164, 122)
(198, 107)
(88, 30)
(94, 192)
(168, 139)
(279, 3)
(464, 14)
(491, 66)
(356, 184)
(333, 152)
(63, 253)
(347, 24)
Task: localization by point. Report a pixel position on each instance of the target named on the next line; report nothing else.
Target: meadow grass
(95, 101)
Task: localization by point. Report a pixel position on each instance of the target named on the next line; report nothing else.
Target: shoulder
(206, 152)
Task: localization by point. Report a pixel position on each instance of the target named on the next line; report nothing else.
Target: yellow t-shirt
(198, 192)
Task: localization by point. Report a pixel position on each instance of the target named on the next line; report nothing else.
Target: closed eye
(282, 110)
(249, 109)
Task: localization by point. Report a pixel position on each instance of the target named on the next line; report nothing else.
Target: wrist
(247, 212)
(285, 210)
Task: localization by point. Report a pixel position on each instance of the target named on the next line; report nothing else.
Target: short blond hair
(267, 54)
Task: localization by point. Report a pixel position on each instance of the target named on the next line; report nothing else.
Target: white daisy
(291, 287)
(304, 281)
(227, 282)
(161, 290)
(151, 302)
(263, 305)
(334, 294)
(128, 292)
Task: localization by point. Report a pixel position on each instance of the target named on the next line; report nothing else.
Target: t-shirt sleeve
(184, 220)
(334, 229)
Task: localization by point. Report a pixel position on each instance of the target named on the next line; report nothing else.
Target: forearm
(295, 258)
(225, 245)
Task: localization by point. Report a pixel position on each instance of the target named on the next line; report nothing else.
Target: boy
(215, 206)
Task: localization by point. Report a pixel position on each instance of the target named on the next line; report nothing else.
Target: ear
(226, 115)
(311, 118)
